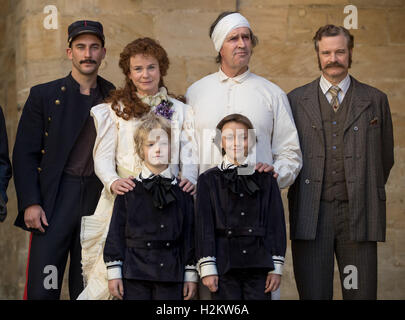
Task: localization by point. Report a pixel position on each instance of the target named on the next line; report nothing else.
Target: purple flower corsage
(164, 109)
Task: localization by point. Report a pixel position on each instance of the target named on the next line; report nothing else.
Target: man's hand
(189, 290)
(187, 186)
(122, 186)
(272, 282)
(33, 216)
(116, 288)
(264, 167)
(211, 282)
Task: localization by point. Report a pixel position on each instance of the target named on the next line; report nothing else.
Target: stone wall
(31, 54)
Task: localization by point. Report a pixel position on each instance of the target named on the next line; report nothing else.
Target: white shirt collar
(239, 79)
(343, 85)
(147, 174)
(227, 164)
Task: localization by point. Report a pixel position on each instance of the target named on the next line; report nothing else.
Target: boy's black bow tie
(161, 190)
(238, 183)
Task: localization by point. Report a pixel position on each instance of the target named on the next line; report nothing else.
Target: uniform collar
(238, 79)
(343, 85)
(76, 85)
(147, 174)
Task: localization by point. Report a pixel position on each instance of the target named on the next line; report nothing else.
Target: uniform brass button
(39, 169)
(57, 102)
(49, 118)
(63, 88)
(43, 151)
(46, 134)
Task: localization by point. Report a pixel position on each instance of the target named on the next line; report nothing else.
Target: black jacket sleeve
(275, 238)
(114, 249)
(5, 167)
(27, 151)
(188, 231)
(204, 221)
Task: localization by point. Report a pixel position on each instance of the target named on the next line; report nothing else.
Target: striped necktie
(335, 101)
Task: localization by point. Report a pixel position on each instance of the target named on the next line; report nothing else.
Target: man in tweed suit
(337, 204)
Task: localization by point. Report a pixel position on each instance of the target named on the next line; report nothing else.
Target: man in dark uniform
(5, 167)
(53, 164)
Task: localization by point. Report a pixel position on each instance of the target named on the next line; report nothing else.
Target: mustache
(241, 51)
(88, 61)
(334, 64)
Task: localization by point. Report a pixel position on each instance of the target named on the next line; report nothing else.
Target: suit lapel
(359, 102)
(310, 105)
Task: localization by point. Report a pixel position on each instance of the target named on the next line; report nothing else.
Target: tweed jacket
(368, 158)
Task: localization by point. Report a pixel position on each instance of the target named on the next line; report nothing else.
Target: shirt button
(242, 213)
(229, 232)
(168, 244)
(161, 265)
(148, 244)
(244, 251)
(250, 230)
(162, 226)
(241, 195)
(356, 129)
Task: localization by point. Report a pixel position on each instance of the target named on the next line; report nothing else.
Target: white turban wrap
(226, 25)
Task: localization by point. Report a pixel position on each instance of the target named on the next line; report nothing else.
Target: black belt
(152, 244)
(237, 232)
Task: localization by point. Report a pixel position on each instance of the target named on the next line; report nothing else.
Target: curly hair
(133, 106)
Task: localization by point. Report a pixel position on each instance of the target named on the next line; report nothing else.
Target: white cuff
(207, 267)
(278, 265)
(114, 270)
(112, 180)
(190, 274)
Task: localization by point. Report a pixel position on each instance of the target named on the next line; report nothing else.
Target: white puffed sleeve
(285, 143)
(188, 146)
(105, 145)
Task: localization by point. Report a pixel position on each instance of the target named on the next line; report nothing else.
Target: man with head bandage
(236, 90)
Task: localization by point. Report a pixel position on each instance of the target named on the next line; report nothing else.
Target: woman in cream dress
(144, 63)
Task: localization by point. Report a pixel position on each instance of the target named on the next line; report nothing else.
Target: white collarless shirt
(263, 103)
